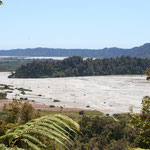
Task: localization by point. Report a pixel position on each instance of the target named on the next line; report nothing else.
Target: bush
(3, 95)
(105, 133)
(17, 111)
(81, 112)
(51, 106)
(55, 100)
(27, 112)
(118, 145)
(22, 92)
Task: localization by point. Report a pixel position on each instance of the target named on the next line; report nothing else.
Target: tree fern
(58, 128)
(138, 149)
(1, 3)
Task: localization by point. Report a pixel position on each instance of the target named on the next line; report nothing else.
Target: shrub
(3, 95)
(81, 112)
(27, 112)
(23, 92)
(55, 100)
(17, 111)
(51, 106)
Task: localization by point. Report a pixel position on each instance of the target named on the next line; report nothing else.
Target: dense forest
(139, 52)
(12, 64)
(117, 132)
(77, 66)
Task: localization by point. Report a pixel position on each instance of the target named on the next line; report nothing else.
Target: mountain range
(139, 52)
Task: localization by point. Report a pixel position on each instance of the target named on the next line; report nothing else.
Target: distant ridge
(140, 52)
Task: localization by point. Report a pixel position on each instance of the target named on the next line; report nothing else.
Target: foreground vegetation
(77, 66)
(19, 129)
(38, 133)
(54, 131)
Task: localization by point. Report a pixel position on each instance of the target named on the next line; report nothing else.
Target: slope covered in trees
(140, 52)
(77, 66)
(53, 131)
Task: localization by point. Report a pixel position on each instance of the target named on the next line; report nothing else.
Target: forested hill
(139, 52)
(77, 66)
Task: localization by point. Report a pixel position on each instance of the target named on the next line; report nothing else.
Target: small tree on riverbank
(148, 73)
(3, 95)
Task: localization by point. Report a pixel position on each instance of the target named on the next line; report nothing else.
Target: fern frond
(3, 147)
(1, 3)
(30, 144)
(69, 121)
(59, 127)
(8, 136)
(47, 135)
(53, 127)
(54, 133)
(50, 126)
(64, 124)
(33, 140)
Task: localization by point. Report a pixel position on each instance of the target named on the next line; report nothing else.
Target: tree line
(78, 66)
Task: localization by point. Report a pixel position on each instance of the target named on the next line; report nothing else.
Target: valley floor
(108, 94)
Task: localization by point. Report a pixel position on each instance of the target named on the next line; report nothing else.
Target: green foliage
(76, 66)
(22, 89)
(105, 133)
(2, 127)
(118, 145)
(81, 112)
(35, 134)
(51, 106)
(27, 112)
(1, 3)
(141, 123)
(19, 111)
(55, 100)
(13, 111)
(3, 95)
(138, 149)
(6, 126)
(5, 86)
(11, 63)
(148, 73)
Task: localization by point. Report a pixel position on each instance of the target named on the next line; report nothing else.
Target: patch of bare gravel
(109, 94)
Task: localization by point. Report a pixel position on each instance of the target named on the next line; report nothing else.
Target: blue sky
(74, 23)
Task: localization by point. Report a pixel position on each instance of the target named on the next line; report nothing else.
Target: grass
(72, 114)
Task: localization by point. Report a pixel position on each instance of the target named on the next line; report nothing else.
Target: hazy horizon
(75, 48)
